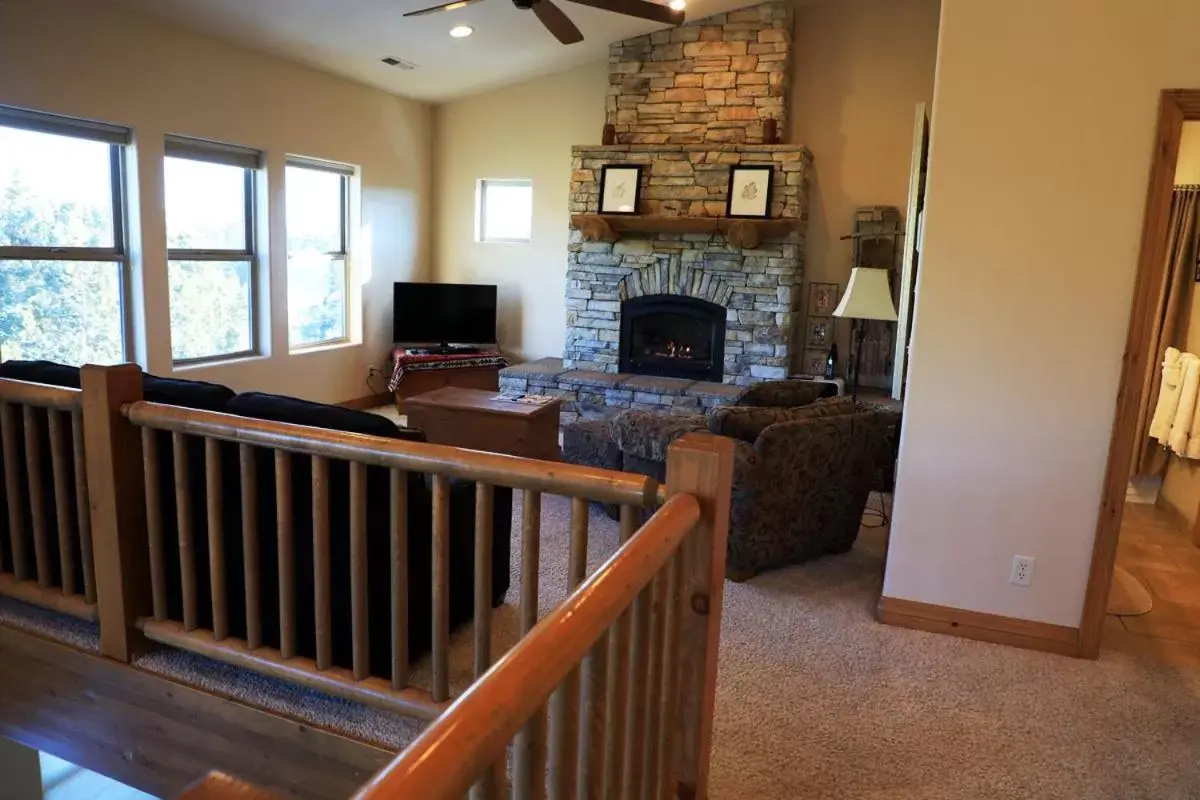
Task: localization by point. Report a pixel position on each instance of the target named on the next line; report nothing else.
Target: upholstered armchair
(801, 476)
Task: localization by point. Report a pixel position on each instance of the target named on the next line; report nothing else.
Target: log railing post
(116, 492)
(700, 465)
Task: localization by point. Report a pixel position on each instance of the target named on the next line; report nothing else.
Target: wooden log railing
(193, 441)
(46, 553)
(648, 735)
(609, 695)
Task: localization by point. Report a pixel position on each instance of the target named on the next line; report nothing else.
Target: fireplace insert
(673, 336)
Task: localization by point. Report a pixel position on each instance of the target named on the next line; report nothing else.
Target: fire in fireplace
(672, 336)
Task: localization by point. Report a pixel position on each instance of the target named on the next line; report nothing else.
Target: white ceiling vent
(398, 62)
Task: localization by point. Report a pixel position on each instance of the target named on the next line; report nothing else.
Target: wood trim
(375, 692)
(29, 592)
(598, 485)
(979, 626)
(1175, 106)
(741, 232)
(370, 401)
(157, 735)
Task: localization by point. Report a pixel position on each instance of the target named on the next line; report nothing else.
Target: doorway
(1143, 550)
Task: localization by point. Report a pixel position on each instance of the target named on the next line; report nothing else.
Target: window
(504, 211)
(211, 258)
(63, 260)
(318, 222)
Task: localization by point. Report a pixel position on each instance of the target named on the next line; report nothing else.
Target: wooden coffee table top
(480, 401)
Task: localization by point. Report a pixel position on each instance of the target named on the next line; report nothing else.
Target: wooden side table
(477, 420)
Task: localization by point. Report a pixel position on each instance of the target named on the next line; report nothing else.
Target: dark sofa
(213, 397)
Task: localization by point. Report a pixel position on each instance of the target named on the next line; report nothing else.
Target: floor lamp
(868, 296)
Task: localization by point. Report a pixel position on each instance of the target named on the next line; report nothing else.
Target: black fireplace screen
(673, 336)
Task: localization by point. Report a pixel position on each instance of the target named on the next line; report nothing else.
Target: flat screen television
(444, 313)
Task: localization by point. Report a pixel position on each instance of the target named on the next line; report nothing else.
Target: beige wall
(521, 131)
(92, 59)
(1029, 259)
(1187, 168)
(861, 67)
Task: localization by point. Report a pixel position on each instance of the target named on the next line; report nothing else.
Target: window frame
(118, 139)
(347, 174)
(481, 187)
(250, 161)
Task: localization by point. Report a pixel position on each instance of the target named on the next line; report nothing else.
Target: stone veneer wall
(760, 287)
(711, 80)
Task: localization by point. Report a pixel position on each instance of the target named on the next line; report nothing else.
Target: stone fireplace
(676, 309)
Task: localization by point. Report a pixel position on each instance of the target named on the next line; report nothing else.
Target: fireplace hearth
(672, 336)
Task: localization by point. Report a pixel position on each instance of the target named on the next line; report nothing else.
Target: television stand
(448, 350)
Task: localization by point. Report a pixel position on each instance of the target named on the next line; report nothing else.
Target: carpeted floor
(817, 700)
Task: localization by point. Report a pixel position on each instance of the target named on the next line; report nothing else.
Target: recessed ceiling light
(678, 5)
(461, 31)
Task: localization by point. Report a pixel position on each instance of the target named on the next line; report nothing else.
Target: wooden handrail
(456, 749)
(40, 395)
(552, 477)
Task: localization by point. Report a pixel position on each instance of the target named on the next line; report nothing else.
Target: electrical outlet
(1022, 571)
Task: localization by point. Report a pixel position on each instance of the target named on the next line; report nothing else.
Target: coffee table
(478, 420)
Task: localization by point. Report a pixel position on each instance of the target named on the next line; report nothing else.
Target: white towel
(1168, 396)
(1181, 427)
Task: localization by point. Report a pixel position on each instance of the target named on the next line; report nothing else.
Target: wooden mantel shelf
(747, 233)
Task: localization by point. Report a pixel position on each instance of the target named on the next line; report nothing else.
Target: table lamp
(868, 296)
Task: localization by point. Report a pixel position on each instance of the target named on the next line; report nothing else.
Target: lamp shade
(869, 296)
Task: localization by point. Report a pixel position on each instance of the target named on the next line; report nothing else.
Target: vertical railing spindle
(490, 785)
(668, 693)
(616, 692)
(285, 545)
(361, 663)
(322, 600)
(83, 511)
(37, 508)
(441, 588)
(215, 498)
(398, 535)
(251, 580)
(12, 489)
(62, 501)
(154, 523)
(529, 751)
(183, 520)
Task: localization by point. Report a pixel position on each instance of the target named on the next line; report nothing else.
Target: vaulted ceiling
(350, 37)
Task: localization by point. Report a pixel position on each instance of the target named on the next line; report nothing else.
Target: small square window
(504, 211)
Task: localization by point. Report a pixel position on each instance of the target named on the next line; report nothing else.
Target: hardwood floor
(1162, 557)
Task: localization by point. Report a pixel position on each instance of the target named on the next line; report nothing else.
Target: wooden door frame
(1175, 107)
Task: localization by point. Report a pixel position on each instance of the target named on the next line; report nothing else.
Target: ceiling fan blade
(638, 8)
(443, 7)
(557, 22)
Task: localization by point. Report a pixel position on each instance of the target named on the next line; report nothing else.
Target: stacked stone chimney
(688, 104)
(711, 80)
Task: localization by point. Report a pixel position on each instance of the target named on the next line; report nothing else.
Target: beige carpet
(817, 700)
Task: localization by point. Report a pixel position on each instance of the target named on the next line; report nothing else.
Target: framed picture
(818, 332)
(813, 362)
(749, 192)
(822, 299)
(620, 188)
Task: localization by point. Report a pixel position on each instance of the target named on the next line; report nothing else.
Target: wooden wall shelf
(747, 233)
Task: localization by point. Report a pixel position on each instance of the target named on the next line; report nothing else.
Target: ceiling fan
(561, 26)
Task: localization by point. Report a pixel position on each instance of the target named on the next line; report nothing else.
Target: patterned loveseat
(802, 473)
